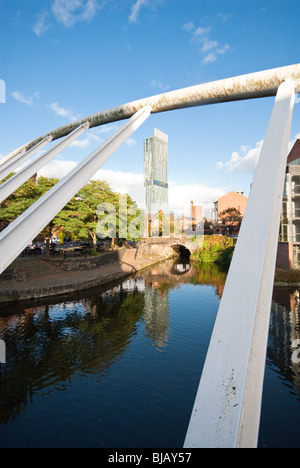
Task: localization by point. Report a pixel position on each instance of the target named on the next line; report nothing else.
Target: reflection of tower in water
(157, 316)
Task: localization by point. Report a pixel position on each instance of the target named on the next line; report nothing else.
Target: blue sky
(65, 59)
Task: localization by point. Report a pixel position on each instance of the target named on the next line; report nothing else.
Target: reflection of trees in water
(46, 348)
(169, 274)
(210, 273)
(284, 329)
(47, 345)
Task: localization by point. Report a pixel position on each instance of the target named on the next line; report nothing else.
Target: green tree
(80, 217)
(231, 218)
(23, 198)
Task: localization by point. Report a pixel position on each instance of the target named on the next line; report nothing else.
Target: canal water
(120, 368)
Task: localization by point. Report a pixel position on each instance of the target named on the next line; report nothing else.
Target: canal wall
(87, 263)
(37, 278)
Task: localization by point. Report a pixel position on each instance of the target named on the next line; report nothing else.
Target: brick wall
(232, 200)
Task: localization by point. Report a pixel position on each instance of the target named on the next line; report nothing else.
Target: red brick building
(196, 215)
(232, 199)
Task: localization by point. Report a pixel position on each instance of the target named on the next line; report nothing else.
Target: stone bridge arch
(166, 247)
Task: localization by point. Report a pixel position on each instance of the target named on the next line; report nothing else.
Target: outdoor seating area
(67, 249)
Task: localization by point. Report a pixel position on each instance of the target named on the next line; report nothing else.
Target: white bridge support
(10, 185)
(8, 166)
(251, 86)
(26, 227)
(227, 409)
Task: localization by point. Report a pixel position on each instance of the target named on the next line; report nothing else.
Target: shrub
(92, 252)
(215, 249)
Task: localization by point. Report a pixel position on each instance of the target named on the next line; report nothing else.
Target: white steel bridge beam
(20, 158)
(11, 156)
(254, 85)
(26, 227)
(227, 408)
(10, 185)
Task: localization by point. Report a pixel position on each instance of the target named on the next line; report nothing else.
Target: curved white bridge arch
(228, 403)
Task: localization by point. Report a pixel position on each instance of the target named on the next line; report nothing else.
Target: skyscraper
(156, 172)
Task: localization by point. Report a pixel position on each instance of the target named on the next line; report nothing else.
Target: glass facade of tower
(156, 172)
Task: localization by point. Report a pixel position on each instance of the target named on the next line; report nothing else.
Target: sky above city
(62, 60)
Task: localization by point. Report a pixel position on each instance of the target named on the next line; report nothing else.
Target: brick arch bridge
(166, 246)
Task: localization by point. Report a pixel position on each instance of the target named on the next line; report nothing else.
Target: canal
(120, 367)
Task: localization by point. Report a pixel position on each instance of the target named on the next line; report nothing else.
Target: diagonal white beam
(19, 152)
(16, 161)
(26, 227)
(226, 412)
(10, 185)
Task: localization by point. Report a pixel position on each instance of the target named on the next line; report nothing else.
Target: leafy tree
(23, 198)
(79, 218)
(231, 218)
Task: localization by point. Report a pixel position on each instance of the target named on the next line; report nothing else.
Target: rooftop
(294, 154)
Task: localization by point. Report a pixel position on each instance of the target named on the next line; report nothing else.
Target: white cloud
(159, 85)
(130, 142)
(41, 25)
(190, 26)
(95, 136)
(62, 112)
(108, 128)
(138, 5)
(83, 143)
(180, 196)
(209, 48)
(208, 45)
(57, 168)
(201, 31)
(124, 182)
(28, 100)
(69, 12)
(223, 17)
(213, 56)
(246, 159)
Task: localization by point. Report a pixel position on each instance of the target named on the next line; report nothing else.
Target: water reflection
(160, 279)
(128, 345)
(171, 273)
(48, 344)
(281, 396)
(284, 330)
